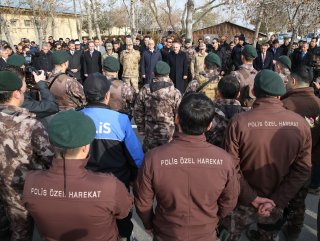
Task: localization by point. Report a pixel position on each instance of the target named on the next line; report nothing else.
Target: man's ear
(177, 120)
(209, 127)
(107, 97)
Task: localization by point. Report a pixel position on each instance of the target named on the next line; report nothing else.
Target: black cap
(96, 86)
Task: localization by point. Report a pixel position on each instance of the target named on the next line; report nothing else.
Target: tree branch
(204, 6)
(207, 11)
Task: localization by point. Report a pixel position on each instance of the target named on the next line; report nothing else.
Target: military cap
(16, 60)
(188, 41)
(95, 87)
(71, 129)
(285, 60)
(269, 82)
(60, 57)
(213, 59)
(162, 68)
(9, 81)
(111, 64)
(249, 51)
(129, 41)
(202, 46)
(109, 46)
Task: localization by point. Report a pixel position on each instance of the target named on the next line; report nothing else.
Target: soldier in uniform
(68, 202)
(155, 108)
(67, 90)
(194, 182)
(270, 175)
(197, 62)
(130, 58)
(246, 74)
(109, 52)
(122, 95)
(207, 80)
(282, 67)
(24, 146)
(190, 52)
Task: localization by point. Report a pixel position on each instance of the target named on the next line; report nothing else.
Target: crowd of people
(231, 137)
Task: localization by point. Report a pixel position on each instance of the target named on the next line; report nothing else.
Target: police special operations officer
(115, 149)
(67, 90)
(272, 146)
(195, 183)
(68, 202)
(122, 95)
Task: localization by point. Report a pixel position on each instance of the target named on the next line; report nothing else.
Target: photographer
(46, 105)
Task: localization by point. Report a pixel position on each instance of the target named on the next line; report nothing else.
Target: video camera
(29, 76)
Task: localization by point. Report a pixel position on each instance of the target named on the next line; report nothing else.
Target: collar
(306, 91)
(179, 136)
(267, 103)
(163, 79)
(97, 105)
(14, 110)
(73, 166)
(228, 102)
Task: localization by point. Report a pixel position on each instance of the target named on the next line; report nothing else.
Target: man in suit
(74, 61)
(264, 59)
(177, 61)
(98, 46)
(3, 56)
(43, 59)
(91, 60)
(302, 57)
(275, 50)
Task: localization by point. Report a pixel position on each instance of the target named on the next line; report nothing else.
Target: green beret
(16, 60)
(71, 129)
(162, 68)
(188, 41)
(269, 82)
(285, 60)
(60, 57)
(249, 51)
(111, 64)
(213, 59)
(9, 81)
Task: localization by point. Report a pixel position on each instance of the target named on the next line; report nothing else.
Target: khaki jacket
(130, 61)
(197, 64)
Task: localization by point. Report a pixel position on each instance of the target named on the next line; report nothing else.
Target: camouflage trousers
(21, 224)
(244, 216)
(132, 81)
(295, 218)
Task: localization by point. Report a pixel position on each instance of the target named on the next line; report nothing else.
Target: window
(13, 22)
(27, 23)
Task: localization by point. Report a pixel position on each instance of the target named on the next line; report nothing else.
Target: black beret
(60, 57)
(111, 64)
(269, 82)
(95, 87)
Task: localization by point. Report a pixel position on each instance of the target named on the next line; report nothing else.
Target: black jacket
(43, 61)
(258, 64)
(148, 61)
(276, 53)
(92, 64)
(178, 68)
(297, 60)
(75, 63)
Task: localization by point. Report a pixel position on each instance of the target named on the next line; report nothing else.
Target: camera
(29, 76)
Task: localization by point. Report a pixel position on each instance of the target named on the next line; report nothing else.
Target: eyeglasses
(169, 42)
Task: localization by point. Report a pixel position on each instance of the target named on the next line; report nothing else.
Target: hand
(74, 70)
(185, 77)
(265, 209)
(262, 200)
(317, 85)
(143, 76)
(39, 77)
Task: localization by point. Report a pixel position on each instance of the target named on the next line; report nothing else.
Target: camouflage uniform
(197, 64)
(122, 96)
(243, 216)
(25, 146)
(246, 74)
(130, 61)
(155, 110)
(211, 89)
(114, 55)
(67, 91)
(190, 53)
(224, 111)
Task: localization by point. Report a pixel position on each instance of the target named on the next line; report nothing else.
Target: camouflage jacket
(246, 74)
(122, 96)
(24, 146)
(155, 110)
(190, 54)
(210, 89)
(197, 64)
(130, 61)
(67, 91)
(225, 109)
(114, 55)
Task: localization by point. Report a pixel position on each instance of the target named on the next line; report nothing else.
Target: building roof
(249, 27)
(65, 7)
